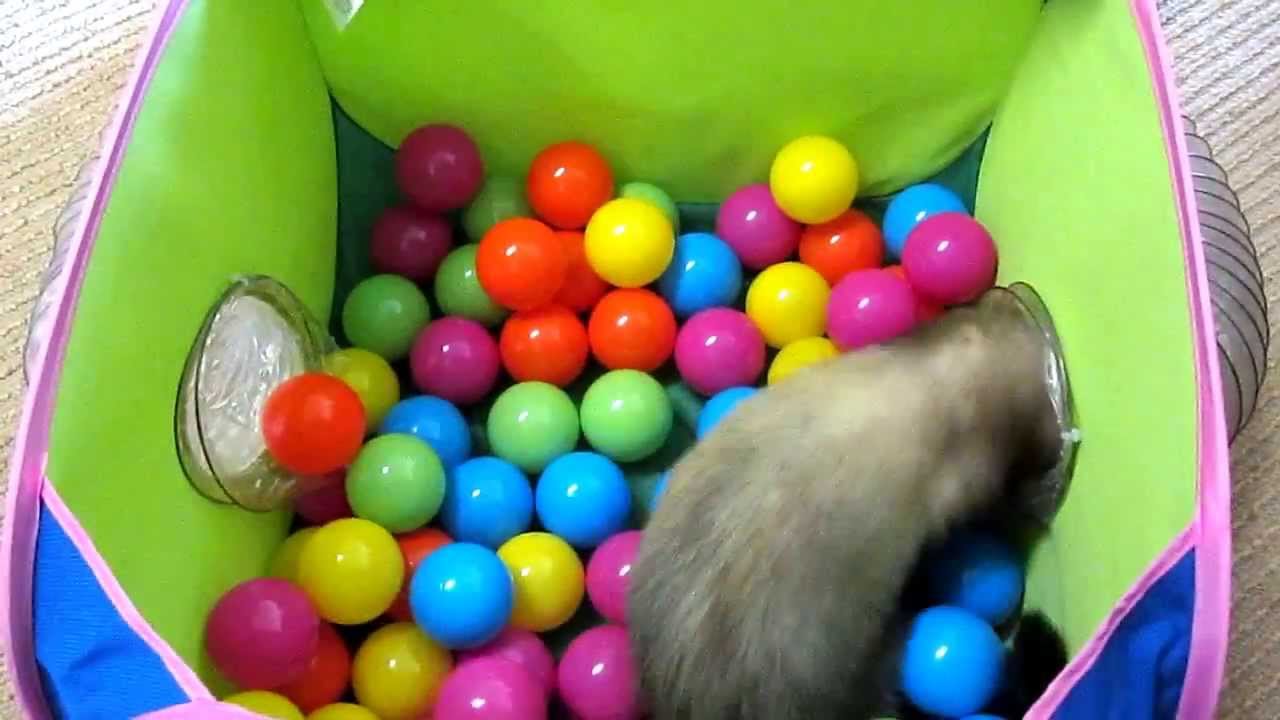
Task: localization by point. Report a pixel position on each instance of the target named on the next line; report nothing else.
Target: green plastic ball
(653, 194)
(396, 481)
(531, 424)
(383, 314)
(626, 415)
(500, 198)
(457, 289)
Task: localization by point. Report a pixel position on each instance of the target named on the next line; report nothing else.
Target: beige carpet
(62, 63)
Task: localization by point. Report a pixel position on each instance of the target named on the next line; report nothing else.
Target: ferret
(768, 582)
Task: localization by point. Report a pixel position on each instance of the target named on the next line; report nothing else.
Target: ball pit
(608, 575)
(597, 678)
(490, 688)
(414, 548)
(409, 242)
(455, 358)
(284, 565)
(488, 502)
(813, 179)
(837, 247)
(458, 291)
(372, 379)
(262, 633)
(719, 348)
(312, 424)
(548, 577)
(439, 168)
(567, 183)
(326, 676)
(324, 500)
(910, 207)
(548, 344)
(583, 498)
(952, 662)
(383, 314)
(799, 354)
(351, 569)
(626, 415)
(521, 264)
(629, 242)
(582, 287)
(397, 672)
(950, 258)
(751, 222)
(434, 421)
(788, 302)
(703, 273)
(531, 424)
(500, 198)
(396, 481)
(342, 711)
(869, 307)
(978, 572)
(655, 196)
(461, 595)
(632, 329)
(719, 405)
(266, 703)
(523, 648)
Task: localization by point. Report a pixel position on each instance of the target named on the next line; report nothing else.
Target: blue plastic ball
(583, 497)
(980, 573)
(487, 501)
(461, 595)
(659, 489)
(719, 405)
(434, 421)
(952, 662)
(911, 206)
(703, 273)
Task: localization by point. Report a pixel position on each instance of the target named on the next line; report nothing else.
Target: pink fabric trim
(202, 710)
(30, 453)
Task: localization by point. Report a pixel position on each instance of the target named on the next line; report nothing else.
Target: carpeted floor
(62, 63)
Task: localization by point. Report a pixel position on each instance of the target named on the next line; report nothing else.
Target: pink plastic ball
(869, 307)
(438, 167)
(490, 689)
(409, 242)
(262, 633)
(719, 348)
(950, 258)
(609, 575)
(326, 501)
(598, 677)
(756, 228)
(456, 359)
(523, 648)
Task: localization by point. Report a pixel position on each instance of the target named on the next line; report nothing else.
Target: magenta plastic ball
(409, 242)
(326, 501)
(523, 648)
(597, 676)
(490, 689)
(456, 359)
(869, 307)
(719, 348)
(609, 575)
(950, 258)
(756, 228)
(438, 167)
(262, 633)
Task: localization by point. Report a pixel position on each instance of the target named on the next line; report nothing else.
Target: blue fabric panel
(92, 665)
(1140, 673)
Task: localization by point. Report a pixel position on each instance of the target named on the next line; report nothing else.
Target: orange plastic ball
(548, 344)
(415, 546)
(838, 247)
(520, 263)
(632, 329)
(582, 287)
(326, 677)
(926, 310)
(567, 182)
(313, 424)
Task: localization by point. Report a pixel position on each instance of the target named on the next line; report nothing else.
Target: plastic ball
(629, 242)
(952, 662)
(456, 359)
(567, 182)
(813, 179)
(626, 415)
(325, 501)
(397, 672)
(950, 259)
(719, 348)
(458, 290)
(351, 569)
(414, 547)
(719, 405)
(926, 309)
(461, 595)
(490, 688)
(436, 422)
(501, 198)
(979, 573)
(788, 301)
(262, 633)
(549, 580)
(384, 313)
(313, 424)
(522, 647)
(609, 575)
(869, 307)
(342, 711)
(704, 273)
(751, 222)
(597, 676)
(548, 344)
(531, 424)
(396, 481)
(910, 207)
(409, 242)
(521, 264)
(583, 497)
(439, 168)
(659, 490)
(632, 328)
(654, 195)
(582, 287)
(266, 703)
(489, 501)
(799, 354)
(370, 376)
(284, 564)
(326, 676)
(838, 247)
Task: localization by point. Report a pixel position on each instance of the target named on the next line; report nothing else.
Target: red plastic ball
(438, 167)
(632, 328)
(582, 287)
(567, 182)
(326, 677)
(926, 309)
(838, 247)
(409, 242)
(313, 424)
(521, 264)
(414, 546)
(548, 344)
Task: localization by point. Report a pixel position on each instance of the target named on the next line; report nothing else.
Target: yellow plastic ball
(629, 242)
(813, 179)
(800, 354)
(342, 711)
(264, 702)
(352, 570)
(398, 670)
(371, 377)
(549, 580)
(285, 563)
(788, 302)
